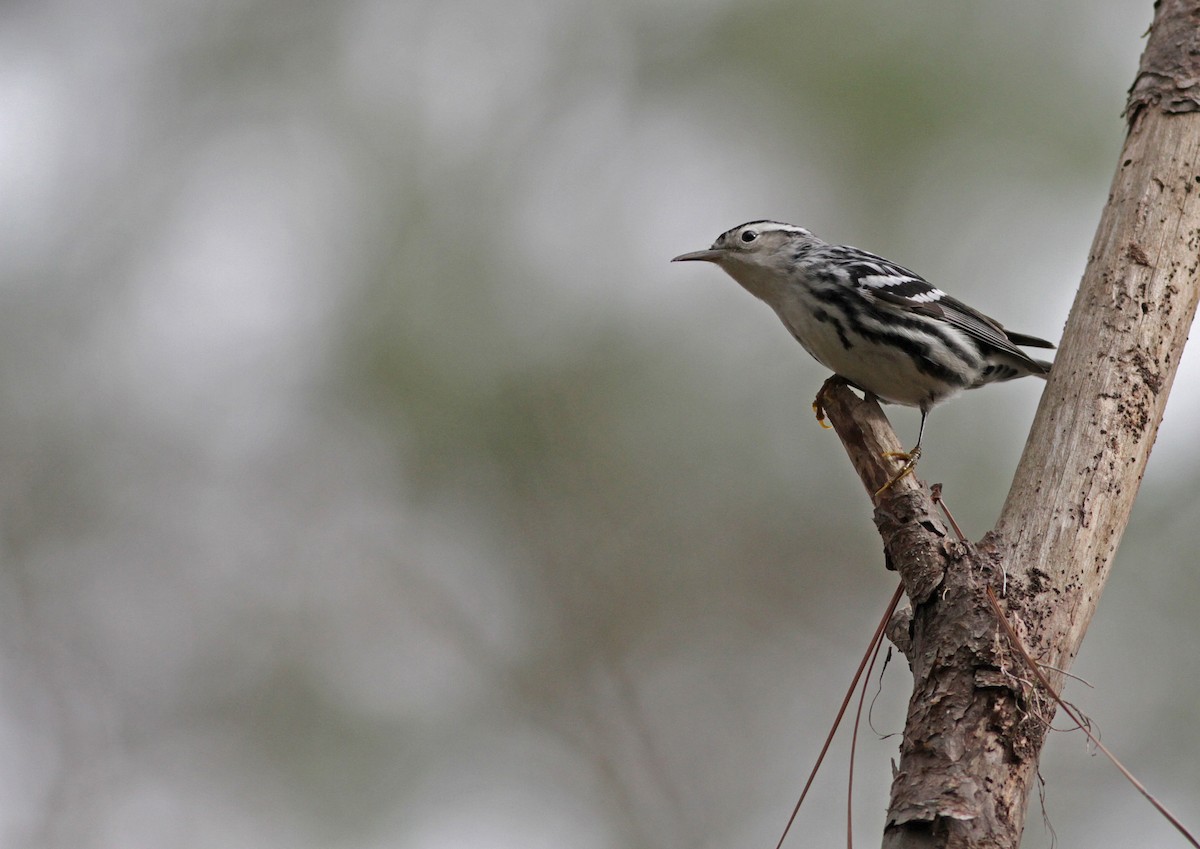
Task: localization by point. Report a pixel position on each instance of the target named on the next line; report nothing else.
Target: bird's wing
(885, 281)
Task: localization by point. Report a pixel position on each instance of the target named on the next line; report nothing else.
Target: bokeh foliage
(372, 479)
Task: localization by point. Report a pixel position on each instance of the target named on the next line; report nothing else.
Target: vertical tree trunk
(975, 725)
(1084, 460)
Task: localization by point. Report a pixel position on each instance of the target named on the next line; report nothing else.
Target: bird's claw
(910, 462)
(819, 401)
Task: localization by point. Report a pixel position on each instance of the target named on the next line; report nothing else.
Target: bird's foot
(910, 459)
(819, 401)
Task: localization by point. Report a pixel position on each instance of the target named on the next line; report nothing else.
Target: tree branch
(1083, 462)
(977, 721)
(915, 541)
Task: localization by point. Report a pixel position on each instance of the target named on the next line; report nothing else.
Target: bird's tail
(1027, 341)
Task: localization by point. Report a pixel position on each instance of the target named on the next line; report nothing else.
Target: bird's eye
(749, 235)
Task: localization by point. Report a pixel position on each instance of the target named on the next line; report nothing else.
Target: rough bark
(972, 718)
(976, 723)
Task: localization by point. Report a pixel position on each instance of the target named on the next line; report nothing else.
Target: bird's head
(757, 254)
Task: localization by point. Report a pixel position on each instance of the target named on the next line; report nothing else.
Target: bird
(876, 325)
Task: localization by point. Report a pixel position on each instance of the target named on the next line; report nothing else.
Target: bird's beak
(709, 255)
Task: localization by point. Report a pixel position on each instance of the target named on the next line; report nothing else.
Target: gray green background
(371, 479)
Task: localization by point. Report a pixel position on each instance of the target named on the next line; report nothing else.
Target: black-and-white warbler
(882, 328)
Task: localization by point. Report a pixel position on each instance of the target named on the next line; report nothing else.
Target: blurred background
(371, 479)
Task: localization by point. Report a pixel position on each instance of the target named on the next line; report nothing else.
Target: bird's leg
(910, 462)
(910, 458)
(819, 402)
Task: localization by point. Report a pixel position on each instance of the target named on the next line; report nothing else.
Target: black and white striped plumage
(880, 326)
